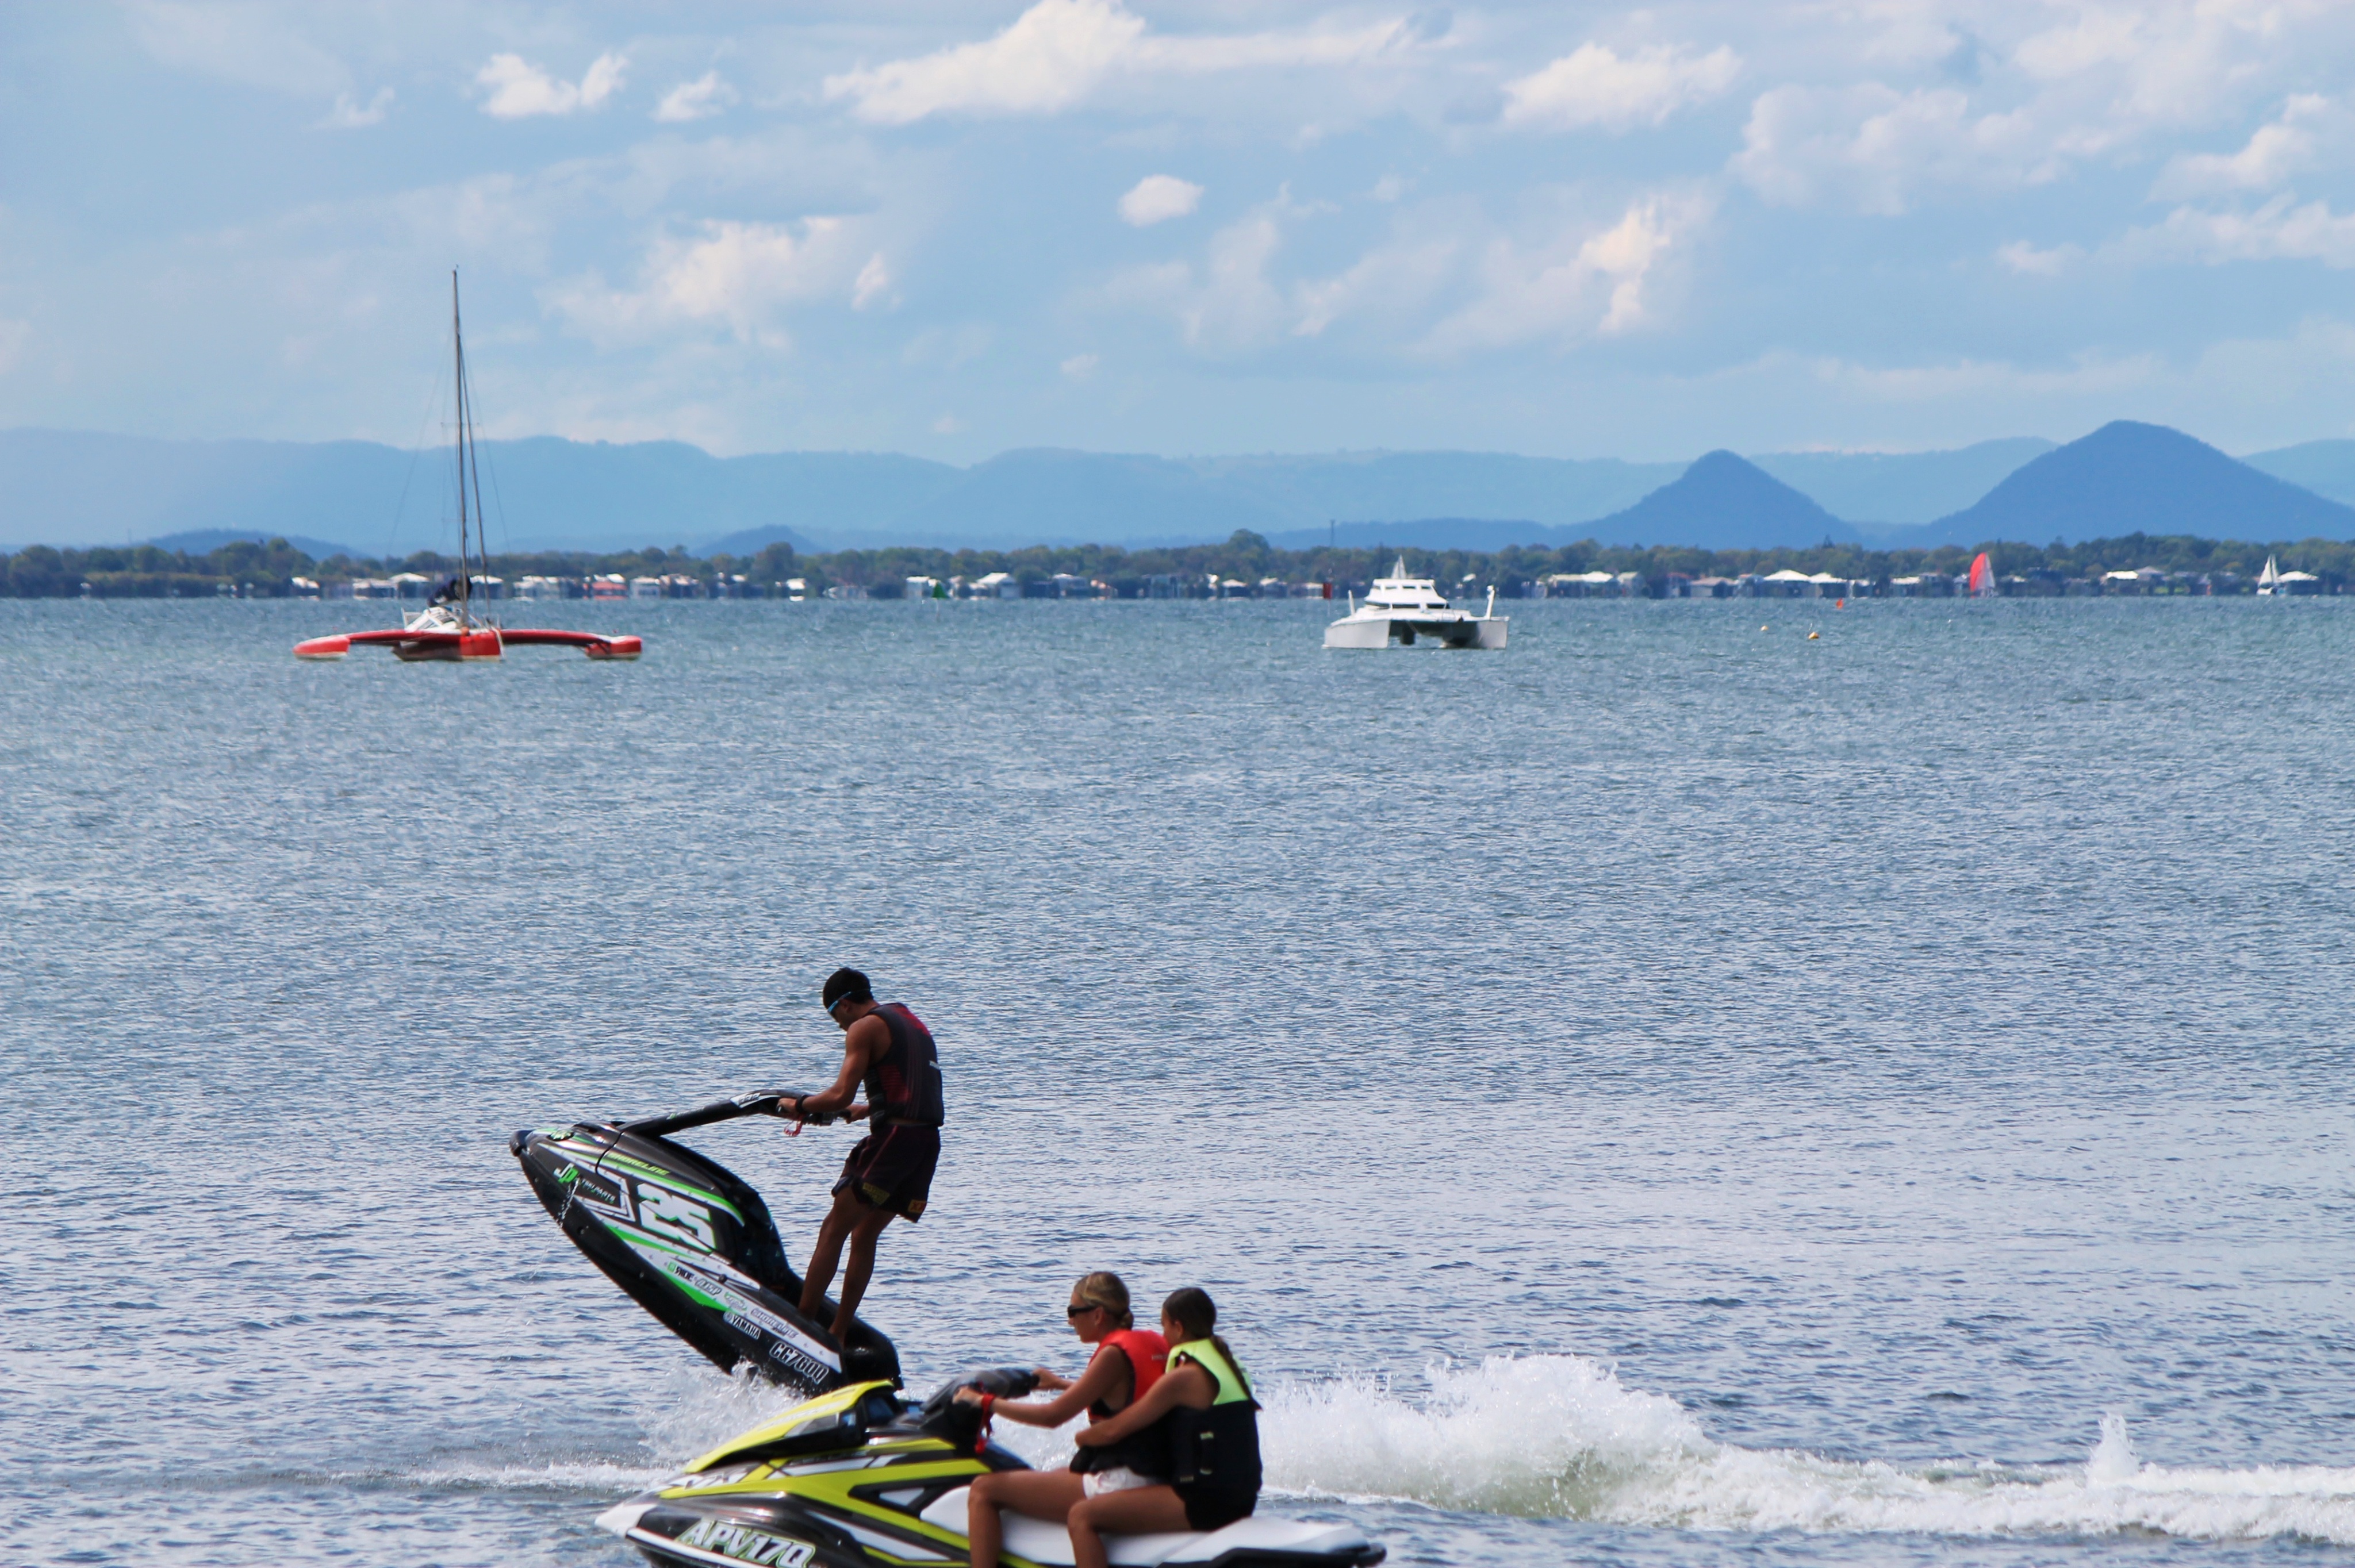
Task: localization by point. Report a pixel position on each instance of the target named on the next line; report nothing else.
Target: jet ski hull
(869, 1483)
(695, 1246)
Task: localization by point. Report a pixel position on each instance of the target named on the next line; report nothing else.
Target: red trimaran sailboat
(448, 628)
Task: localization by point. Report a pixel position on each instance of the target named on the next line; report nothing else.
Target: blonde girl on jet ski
(1203, 1409)
(1126, 1364)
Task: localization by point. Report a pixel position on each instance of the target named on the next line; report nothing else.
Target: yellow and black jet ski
(861, 1478)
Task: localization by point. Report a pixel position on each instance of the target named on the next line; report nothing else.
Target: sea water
(1671, 1092)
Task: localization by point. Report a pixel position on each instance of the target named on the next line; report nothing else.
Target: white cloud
(2277, 231)
(1236, 305)
(1245, 51)
(873, 283)
(1436, 289)
(2021, 257)
(1900, 35)
(518, 89)
(948, 425)
(739, 276)
(348, 116)
(1157, 198)
(1393, 281)
(2274, 153)
(1593, 85)
(1081, 366)
(1059, 52)
(2169, 64)
(2093, 35)
(1229, 304)
(2028, 93)
(701, 99)
(1052, 56)
(1581, 282)
(1880, 148)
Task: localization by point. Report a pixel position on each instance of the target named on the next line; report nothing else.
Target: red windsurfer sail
(1982, 581)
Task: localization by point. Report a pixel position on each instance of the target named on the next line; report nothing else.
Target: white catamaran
(1401, 609)
(448, 628)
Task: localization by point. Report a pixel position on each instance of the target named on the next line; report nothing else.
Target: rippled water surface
(1672, 1092)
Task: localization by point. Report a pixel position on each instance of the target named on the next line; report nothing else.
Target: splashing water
(703, 1408)
(1558, 1437)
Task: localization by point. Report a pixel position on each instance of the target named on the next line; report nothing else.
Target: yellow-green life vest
(1215, 1451)
(1205, 1354)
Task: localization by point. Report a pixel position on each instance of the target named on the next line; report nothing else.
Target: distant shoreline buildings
(1789, 584)
(1245, 566)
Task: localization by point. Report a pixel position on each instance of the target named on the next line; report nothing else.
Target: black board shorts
(893, 1169)
(1216, 1510)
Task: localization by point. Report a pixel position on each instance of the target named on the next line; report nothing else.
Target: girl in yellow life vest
(1205, 1404)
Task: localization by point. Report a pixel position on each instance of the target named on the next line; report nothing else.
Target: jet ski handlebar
(759, 1102)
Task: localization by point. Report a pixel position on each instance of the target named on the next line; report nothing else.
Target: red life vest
(1147, 1352)
(1145, 1452)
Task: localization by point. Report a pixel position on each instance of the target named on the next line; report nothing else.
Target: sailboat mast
(458, 358)
(475, 467)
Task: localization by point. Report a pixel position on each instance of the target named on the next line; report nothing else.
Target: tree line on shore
(262, 570)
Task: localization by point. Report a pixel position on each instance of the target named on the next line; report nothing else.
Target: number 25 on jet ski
(886, 1050)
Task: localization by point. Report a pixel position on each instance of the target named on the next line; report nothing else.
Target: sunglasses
(1084, 1308)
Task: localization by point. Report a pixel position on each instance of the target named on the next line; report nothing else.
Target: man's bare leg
(860, 1268)
(839, 1222)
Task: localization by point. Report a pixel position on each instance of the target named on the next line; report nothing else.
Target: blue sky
(953, 228)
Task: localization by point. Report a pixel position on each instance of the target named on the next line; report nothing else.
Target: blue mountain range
(76, 488)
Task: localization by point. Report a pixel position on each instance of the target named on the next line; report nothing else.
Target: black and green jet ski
(862, 1478)
(692, 1244)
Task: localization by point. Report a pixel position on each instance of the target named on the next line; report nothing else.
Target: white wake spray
(1561, 1438)
(1558, 1436)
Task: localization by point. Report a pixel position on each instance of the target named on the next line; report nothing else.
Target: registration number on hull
(744, 1543)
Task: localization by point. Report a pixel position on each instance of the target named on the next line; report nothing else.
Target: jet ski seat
(1040, 1541)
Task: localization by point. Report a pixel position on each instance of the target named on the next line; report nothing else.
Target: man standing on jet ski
(890, 1174)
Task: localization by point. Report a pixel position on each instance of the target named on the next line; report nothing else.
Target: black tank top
(904, 1083)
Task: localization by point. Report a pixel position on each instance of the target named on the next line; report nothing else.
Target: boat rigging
(448, 628)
